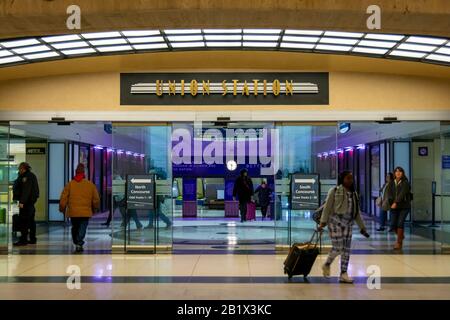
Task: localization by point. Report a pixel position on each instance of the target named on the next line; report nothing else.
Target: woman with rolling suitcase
(341, 210)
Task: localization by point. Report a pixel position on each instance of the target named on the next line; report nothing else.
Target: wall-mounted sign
(140, 192)
(305, 191)
(423, 151)
(224, 88)
(344, 127)
(32, 150)
(446, 162)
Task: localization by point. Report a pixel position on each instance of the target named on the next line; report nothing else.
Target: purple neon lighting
(129, 153)
(98, 147)
(119, 151)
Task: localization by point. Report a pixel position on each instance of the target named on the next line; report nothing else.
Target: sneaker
(79, 249)
(344, 278)
(380, 229)
(326, 270)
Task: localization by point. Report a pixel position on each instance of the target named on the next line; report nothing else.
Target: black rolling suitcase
(301, 257)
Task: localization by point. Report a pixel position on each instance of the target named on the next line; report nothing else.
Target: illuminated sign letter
(224, 86)
(235, 82)
(245, 90)
(255, 87)
(276, 87)
(194, 87)
(205, 87)
(159, 88)
(172, 88)
(289, 87)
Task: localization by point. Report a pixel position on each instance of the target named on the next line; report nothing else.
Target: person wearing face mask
(340, 211)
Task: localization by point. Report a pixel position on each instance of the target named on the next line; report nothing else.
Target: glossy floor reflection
(218, 277)
(229, 235)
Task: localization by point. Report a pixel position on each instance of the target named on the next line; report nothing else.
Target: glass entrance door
(307, 156)
(142, 149)
(4, 187)
(442, 198)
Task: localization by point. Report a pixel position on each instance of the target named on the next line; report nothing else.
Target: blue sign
(445, 162)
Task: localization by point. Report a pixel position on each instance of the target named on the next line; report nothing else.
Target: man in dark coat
(26, 192)
(243, 189)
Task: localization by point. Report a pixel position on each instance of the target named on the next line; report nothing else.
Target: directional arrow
(141, 180)
(305, 180)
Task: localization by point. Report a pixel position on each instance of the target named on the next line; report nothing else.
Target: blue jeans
(79, 227)
(398, 217)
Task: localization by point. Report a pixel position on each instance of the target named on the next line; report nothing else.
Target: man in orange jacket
(79, 200)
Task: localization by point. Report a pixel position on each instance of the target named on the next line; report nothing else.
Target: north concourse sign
(140, 192)
(305, 88)
(305, 191)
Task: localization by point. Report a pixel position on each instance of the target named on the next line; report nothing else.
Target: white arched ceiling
(424, 49)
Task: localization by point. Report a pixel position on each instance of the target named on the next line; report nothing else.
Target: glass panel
(142, 150)
(56, 178)
(4, 186)
(304, 149)
(443, 188)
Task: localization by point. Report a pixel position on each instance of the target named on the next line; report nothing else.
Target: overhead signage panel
(306, 88)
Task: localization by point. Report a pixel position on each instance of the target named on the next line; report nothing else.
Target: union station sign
(224, 88)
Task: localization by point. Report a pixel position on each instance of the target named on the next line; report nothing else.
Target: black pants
(27, 223)
(243, 210)
(79, 227)
(264, 210)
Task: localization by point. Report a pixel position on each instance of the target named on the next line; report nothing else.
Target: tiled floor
(218, 277)
(222, 259)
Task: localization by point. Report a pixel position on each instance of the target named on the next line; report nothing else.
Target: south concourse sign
(140, 192)
(305, 191)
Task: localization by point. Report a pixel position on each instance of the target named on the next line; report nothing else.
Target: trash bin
(2, 215)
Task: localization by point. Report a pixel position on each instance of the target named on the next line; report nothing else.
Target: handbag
(318, 214)
(379, 202)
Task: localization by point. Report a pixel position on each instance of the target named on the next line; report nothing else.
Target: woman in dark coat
(402, 196)
(264, 192)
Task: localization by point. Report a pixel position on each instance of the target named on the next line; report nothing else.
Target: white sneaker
(344, 278)
(326, 270)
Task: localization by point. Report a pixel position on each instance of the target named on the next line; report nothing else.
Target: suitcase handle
(318, 236)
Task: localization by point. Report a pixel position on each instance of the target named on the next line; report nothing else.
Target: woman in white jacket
(341, 210)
